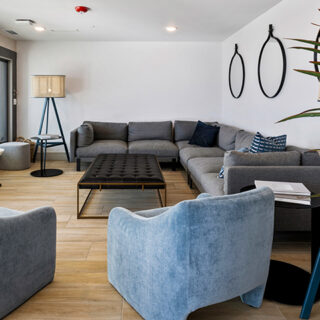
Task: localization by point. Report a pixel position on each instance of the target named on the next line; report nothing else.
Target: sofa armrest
(27, 254)
(238, 177)
(73, 144)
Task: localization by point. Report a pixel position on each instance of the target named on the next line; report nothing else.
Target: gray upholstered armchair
(27, 254)
(169, 262)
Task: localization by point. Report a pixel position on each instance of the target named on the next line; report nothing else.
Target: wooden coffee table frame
(118, 185)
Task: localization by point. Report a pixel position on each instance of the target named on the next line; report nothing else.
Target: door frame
(8, 97)
(11, 57)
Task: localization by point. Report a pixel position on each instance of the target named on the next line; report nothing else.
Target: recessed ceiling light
(39, 28)
(171, 28)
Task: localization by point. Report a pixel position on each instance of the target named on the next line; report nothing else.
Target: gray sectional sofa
(170, 143)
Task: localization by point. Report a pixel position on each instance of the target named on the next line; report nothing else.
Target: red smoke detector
(82, 9)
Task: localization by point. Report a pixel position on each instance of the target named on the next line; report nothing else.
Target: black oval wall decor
(284, 63)
(237, 54)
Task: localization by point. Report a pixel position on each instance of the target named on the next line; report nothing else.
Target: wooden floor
(80, 289)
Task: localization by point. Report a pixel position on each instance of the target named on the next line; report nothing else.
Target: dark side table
(287, 283)
(44, 172)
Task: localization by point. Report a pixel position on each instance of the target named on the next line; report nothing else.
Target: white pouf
(16, 156)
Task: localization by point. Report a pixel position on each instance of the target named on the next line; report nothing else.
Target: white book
(306, 200)
(285, 188)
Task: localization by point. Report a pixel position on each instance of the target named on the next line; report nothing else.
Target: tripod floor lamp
(49, 87)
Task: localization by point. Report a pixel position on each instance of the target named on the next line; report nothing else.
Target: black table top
(123, 168)
(315, 202)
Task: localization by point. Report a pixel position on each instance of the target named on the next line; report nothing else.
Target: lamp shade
(48, 86)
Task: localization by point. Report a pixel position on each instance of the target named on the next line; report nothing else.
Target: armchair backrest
(227, 241)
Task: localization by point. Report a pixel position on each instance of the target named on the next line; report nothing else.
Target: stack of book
(287, 191)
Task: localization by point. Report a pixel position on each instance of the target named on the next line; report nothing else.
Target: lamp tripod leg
(60, 128)
(45, 109)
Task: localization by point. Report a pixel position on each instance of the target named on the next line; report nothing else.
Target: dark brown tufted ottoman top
(123, 168)
(122, 171)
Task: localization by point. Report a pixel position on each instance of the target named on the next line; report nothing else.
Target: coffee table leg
(163, 201)
(165, 195)
(79, 212)
(160, 198)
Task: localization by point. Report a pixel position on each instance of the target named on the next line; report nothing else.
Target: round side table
(43, 172)
(1, 152)
(287, 283)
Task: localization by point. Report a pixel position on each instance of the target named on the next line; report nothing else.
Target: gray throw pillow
(221, 173)
(85, 135)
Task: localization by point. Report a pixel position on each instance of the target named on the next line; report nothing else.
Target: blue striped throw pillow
(268, 144)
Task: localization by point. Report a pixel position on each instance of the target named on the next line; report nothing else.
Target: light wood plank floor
(80, 289)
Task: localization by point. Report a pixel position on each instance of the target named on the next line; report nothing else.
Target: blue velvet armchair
(168, 262)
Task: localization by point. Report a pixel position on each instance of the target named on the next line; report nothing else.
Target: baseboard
(54, 156)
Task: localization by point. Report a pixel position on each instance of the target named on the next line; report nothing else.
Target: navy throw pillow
(204, 135)
(268, 144)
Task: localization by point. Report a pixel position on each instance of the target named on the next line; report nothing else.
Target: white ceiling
(131, 20)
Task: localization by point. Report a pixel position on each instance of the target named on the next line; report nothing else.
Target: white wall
(253, 111)
(7, 43)
(121, 81)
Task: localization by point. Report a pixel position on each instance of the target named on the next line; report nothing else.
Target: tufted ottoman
(16, 156)
(122, 171)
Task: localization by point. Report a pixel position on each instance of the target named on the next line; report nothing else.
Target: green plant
(315, 112)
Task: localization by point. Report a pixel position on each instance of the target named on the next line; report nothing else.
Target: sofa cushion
(268, 144)
(210, 183)
(199, 152)
(221, 172)
(243, 139)
(204, 135)
(150, 131)
(102, 146)
(227, 137)
(184, 144)
(198, 166)
(183, 130)
(311, 158)
(109, 130)
(287, 158)
(160, 148)
(85, 135)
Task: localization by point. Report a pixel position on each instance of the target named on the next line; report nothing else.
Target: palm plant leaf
(305, 114)
(314, 43)
(307, 48)
(309, 72)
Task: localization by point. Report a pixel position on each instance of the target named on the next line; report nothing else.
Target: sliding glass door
(3, 101)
